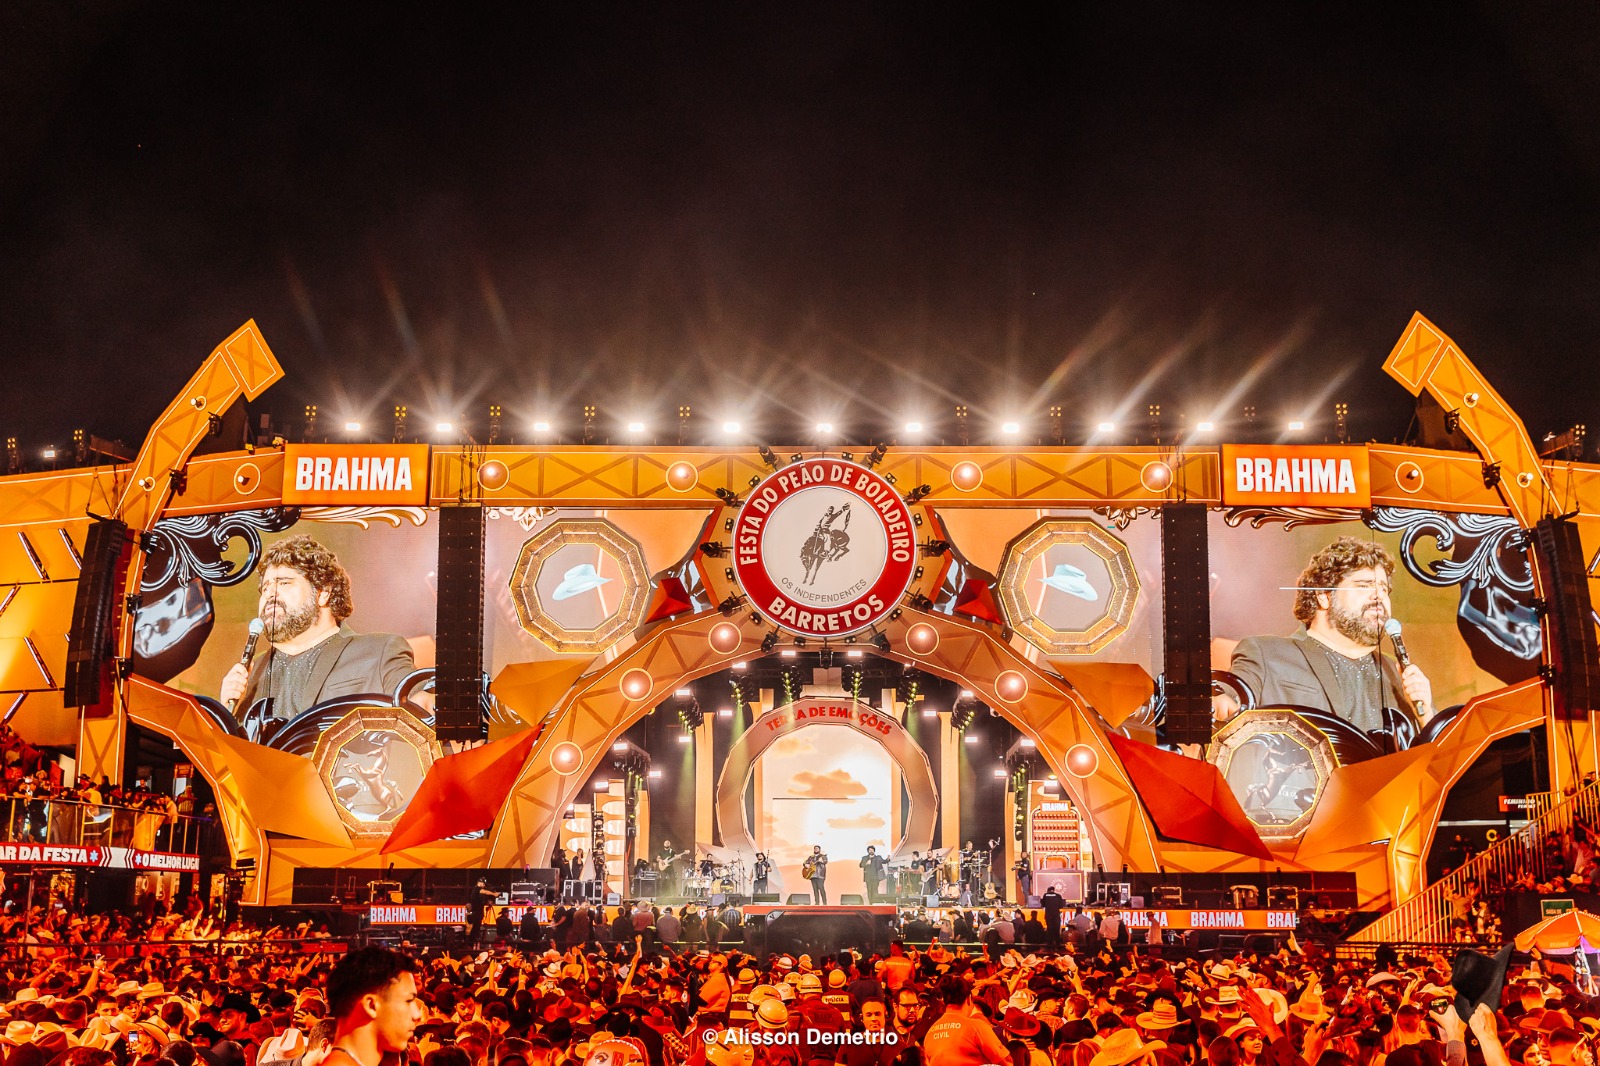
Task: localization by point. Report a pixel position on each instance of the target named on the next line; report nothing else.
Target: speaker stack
(1186, 631)
(458, 674)
(1570, 632)
(91, 641)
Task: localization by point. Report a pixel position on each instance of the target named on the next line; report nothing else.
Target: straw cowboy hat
(1162, 1016)
(1124, 1046)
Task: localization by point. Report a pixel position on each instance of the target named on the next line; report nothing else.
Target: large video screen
(345, 597)
(1373, 631)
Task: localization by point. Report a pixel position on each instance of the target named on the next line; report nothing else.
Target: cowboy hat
(1124, 1046)
(1071, 580)
(1477, 978)
(1019, 1023)
(578, 580)
(1161, 1016)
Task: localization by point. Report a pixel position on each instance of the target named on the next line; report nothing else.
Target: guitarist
(815, 870)
(669, 873)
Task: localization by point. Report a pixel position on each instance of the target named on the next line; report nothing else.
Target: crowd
(41, 807)
(637, 1001)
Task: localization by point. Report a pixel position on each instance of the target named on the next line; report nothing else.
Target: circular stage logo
(824, 547)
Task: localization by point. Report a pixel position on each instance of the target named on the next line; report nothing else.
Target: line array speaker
(94, 607)
(1570, 633)
(458, 673)
(1186, 622)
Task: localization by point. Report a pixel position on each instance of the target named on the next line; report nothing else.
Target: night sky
(784, 212)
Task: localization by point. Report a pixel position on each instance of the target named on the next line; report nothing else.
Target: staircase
(1425, 917)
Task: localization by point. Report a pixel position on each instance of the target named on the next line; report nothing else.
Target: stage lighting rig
(728, 497)
(877, 455)
(933, 549)
(768, 457)
(730, 606)
(920, 602)
(918, 494)
(1452, 420)
(769, 641)
(881, 642)
(825, 658)
(1491, 475)
(713, 549)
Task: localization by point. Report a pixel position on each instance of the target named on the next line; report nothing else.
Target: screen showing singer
(305, 597)
(1333, 663)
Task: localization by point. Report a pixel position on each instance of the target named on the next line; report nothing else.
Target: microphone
(256, 628)
(1392, 628)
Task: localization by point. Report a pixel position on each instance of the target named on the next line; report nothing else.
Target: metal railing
(57, 821)
(1533, 850)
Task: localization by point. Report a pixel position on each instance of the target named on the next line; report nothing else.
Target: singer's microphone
(1392, 628)
(256, 628)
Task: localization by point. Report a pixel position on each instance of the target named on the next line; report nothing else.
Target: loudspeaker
(1186, 622)
(799, 898)
(458, 675)
(1245, 897)
(94, 606)
(764, 897)
(1570, 631)
(851, 899)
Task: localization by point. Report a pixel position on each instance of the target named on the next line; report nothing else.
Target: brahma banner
(1292, 476)
(366, 474)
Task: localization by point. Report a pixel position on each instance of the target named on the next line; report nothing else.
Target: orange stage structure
(1375, 818)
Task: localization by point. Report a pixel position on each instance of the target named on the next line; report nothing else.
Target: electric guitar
(808, 869)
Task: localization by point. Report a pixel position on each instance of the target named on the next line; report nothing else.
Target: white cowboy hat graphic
(580, 579)
(1071, 580)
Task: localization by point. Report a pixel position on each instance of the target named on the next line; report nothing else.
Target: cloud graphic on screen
(835, 784)
(793, 746)
(864, 821)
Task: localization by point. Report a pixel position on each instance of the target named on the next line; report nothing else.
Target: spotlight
(913, 427)
(1010, 429)
(541, 426)
(684, 738)
(1205, 427)
(1026, 742)
(825, 657)
(1000, 772)
(49, 454)
(635, 427)
(930, 712)
(601, 784)
(824, 429)
(442, 428)
(854, 653)
(970, 738)
(728, 497)
(731, 429)
(788, 653)
(730, 606)
(352, 427)
(1296, 425)
(881, 642)
(877, 455)
(1107, 427)
(740, 665)
(1491, 475)
(683, 693)
(713, 549)
(935, 548)
(621, 745)
(918, 494)
(769, 641)
(654, 775)
(1452, 420)
(768, 457)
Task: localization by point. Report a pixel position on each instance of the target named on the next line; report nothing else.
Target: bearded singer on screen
(305, 598)
(1333, 663)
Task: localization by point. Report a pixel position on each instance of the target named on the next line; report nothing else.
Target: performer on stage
(928, 870)
(872, 872)
(815, 869)
(762, 870)
(1024, 870)
(477, 907)
(669, 872)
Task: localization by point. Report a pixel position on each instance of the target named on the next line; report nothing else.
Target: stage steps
(1532, 850)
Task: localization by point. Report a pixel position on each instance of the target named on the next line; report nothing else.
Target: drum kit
(713, 875)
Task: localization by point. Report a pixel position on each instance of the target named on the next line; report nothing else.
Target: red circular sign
(824, 547)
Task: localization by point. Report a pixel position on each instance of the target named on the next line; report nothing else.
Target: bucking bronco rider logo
(827, 543)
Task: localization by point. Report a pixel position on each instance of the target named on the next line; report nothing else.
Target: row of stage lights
(591, 428)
